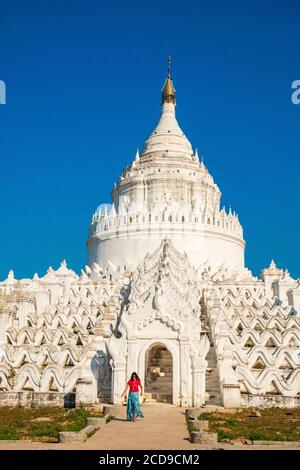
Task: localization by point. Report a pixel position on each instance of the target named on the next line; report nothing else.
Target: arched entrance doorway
(159, 373)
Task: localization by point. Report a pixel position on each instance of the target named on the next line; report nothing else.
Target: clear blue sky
(83, 91)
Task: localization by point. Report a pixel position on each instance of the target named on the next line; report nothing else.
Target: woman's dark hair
(134, 374)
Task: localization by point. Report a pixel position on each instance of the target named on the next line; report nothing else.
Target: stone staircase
(159, 380)
(213, 396)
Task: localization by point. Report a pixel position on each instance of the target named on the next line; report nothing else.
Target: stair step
(212, 389)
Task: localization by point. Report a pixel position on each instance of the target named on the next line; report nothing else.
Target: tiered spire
(168, 92)
(167, 135)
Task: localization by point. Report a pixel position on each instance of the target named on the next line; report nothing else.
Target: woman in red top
(133, 401)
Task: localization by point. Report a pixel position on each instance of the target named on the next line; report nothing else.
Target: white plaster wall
(131, 250)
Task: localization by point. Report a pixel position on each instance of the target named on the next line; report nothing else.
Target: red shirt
(134, 385)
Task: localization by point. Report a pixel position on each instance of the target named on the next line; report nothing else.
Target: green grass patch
(274, 424)
(41, 424)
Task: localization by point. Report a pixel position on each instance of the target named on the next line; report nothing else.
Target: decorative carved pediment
(164, 286)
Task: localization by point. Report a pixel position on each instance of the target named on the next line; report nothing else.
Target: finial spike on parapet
(11, 274)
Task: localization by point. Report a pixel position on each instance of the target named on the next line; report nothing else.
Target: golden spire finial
(168, 92)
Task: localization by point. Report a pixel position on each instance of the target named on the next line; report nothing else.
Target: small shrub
(7, 433)
(48, 429)
(225, 435)
(91, 433)
(231, 422)
(259, 436)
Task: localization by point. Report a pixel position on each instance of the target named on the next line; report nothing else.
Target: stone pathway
(162, 428)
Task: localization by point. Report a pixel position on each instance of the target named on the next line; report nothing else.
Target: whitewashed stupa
(166, 193)
(165, 293)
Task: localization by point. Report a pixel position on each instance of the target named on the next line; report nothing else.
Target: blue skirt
(133, 406)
